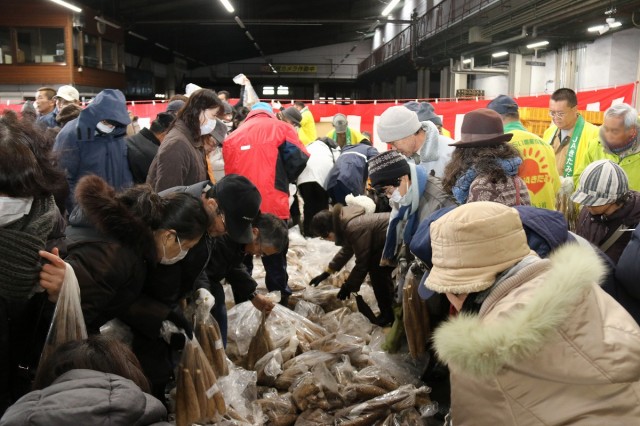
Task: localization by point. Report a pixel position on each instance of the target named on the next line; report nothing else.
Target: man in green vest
(618, 141)
(538, 160)
(569, 134)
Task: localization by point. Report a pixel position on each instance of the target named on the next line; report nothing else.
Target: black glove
(181, 322)
(317, 280)
(344, 292)
(177, 341)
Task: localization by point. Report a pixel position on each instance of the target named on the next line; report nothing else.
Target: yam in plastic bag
(269, 367)
(67, 323)
(279, 409)
(415, 316)
(338, 343)
(309, 310)
(314, 417)
(260, 345)
(207, 331)
(240, 393)
(343, 371)
(378, 408)
(375, 375)
(198, 396)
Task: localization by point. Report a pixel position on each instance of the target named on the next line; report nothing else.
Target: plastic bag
(249, 97)
(240, 393)
(207, 331)
(260, 345)
(117, 330)
(375, 409)
(343, 371)
(269, 367)
(198, 396)
(309, 310)
(279, 409)
(338, 343)
(67, 323)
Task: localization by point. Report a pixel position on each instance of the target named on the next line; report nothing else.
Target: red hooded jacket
(269, 153)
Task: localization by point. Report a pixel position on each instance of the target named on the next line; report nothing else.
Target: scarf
(461, 188)
(404, 221)
(20, 242)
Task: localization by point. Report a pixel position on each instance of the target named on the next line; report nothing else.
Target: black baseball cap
(239, 200)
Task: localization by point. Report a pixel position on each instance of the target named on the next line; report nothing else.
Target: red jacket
(266, 151)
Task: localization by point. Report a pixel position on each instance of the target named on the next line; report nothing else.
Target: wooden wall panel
(99, 78)
(43, 75)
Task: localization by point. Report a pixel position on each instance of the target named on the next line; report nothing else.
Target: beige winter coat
(549, 347)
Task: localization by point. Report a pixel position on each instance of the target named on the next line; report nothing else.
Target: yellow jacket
(630, 162)
(307, 132)
(589, 132)
(538, 169)
(353, 136)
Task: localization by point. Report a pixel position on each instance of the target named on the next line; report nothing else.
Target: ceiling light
(68, 5)
(249, 36)
(615, 24)
(538, 44)
(162, 46)
(466, 61)
(239, 21)
(141, 37)
(109, 23)
(227, 6)
(595, 29)
(499, 54)
(387, 10)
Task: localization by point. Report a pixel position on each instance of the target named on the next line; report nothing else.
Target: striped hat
(385, 169)
(602, 182)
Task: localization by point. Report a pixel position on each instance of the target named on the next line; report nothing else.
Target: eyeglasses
(558, 114)
(383, 189)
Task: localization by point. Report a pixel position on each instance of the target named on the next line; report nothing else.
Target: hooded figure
(94, 143)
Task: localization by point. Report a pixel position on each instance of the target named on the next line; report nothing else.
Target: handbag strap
(613, 238)
(516, 182)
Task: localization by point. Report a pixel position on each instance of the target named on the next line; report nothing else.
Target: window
(90, 45)
(283, 90)
(109, 56)
(6, 51)
(39, 45)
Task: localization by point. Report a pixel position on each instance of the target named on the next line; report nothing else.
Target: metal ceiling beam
(272, 21)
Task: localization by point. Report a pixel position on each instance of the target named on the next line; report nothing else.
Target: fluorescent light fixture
(615, 24)
(256, 46)
(67, 5)
(282, 90)
(109, 23)
(466, 61)
(387, 10)
(499, 54)
(141, 37)
(162, 46)
(538, 44)
(227, 6)
(239, 21)
(268, 90)
(249, 36)
(595, 29)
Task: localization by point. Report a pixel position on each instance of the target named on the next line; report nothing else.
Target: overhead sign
(292, 69)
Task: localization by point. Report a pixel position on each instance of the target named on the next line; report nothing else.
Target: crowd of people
(533, 306)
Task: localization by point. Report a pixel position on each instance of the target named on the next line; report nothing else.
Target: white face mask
(12, 209)
(208, 127)
(229, 125)
(105, 128)
(405, 199)
(395, 198)
(175, 259)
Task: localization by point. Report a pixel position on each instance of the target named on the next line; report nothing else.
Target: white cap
(68, 93)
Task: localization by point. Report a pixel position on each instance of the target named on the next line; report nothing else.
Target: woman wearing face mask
(30, 223)
(181, 158)
(114, 239)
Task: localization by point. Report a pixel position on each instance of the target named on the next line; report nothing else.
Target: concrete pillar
(400, 87)
(445, 79)
(316, 90)
(519, 75)
(424, 80)
(458, 81)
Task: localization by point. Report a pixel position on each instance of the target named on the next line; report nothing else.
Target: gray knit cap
(602, 182)
(397, 123)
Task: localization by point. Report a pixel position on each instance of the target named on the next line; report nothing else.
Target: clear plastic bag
(269, 367)
(117, 330)
(309, 310)
(240, 394)
(207, 331)
(415, 316)
(260, 345)
(198, 396)
(278, 409)
(67, 323)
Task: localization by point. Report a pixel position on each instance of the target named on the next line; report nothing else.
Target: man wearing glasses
(569, 134)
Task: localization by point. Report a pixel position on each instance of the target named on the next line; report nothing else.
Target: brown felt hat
(480, 128)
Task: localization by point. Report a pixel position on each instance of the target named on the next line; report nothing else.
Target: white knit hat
(397, 123)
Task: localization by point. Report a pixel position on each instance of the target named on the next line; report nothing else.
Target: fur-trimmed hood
(519, 327)
(99, 208)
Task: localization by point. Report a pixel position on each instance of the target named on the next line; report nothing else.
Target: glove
(317, 280)
(344, 292)
(177, 341)
(181, 322)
